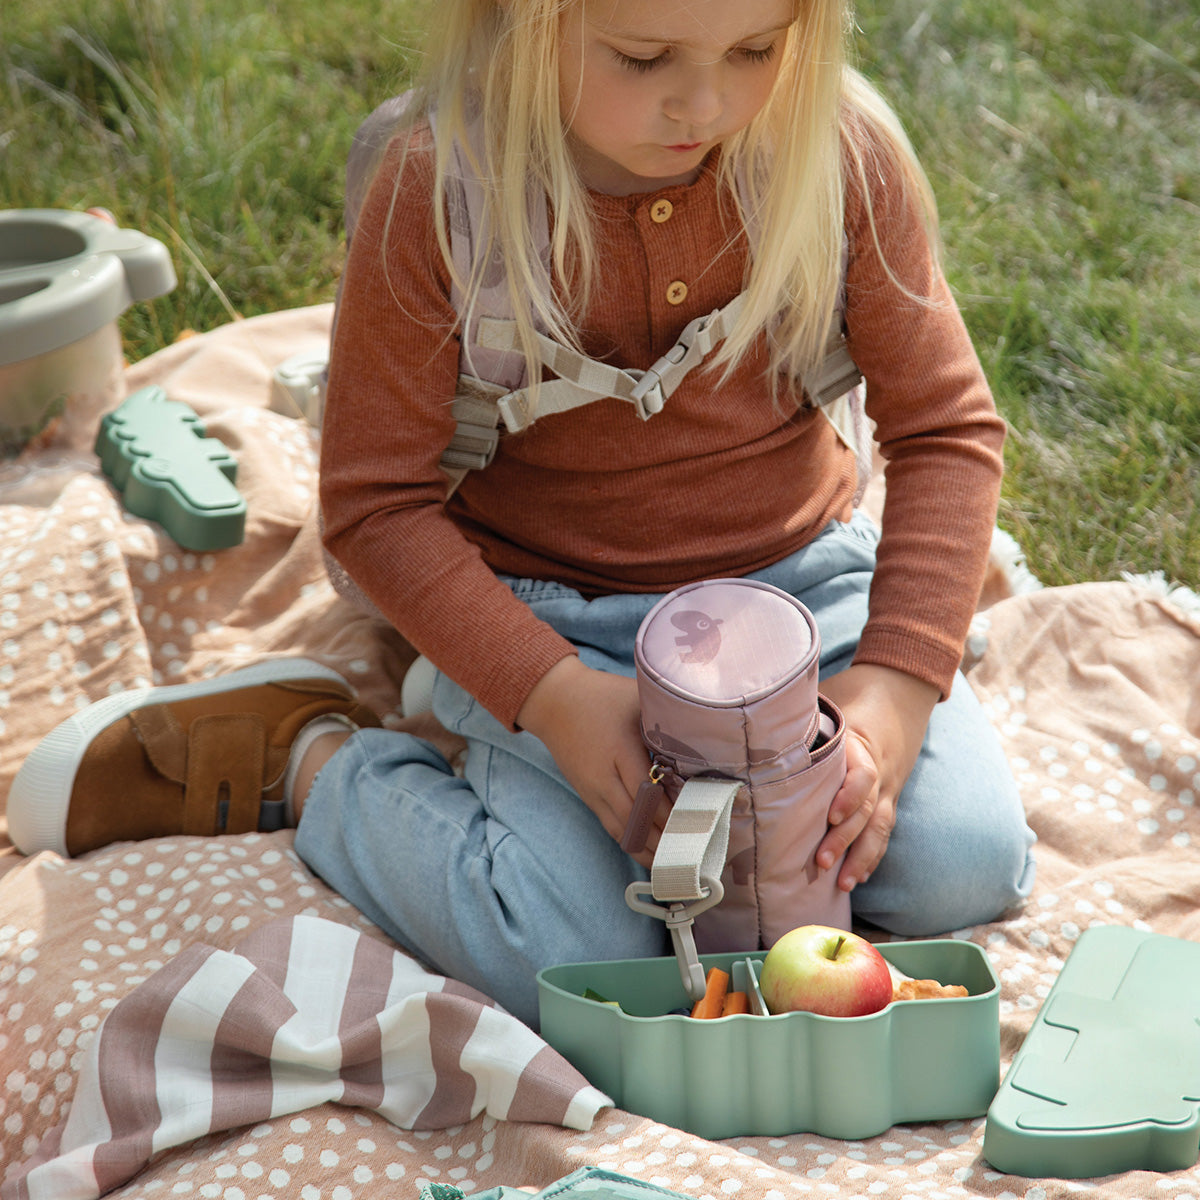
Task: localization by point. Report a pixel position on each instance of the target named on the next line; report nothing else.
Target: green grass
(1061, 141)
(219, 128)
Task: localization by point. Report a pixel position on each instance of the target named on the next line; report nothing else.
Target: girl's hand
(589, 721)
(886, 714)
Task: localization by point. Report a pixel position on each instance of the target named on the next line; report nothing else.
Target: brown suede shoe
(193, 759)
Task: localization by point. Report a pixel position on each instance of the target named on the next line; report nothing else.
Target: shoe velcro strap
(226, 756)
(163, 739)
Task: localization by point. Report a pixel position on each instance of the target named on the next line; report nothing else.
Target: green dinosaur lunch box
(845, 1077)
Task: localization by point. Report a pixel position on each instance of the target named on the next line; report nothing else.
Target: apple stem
(837, 949)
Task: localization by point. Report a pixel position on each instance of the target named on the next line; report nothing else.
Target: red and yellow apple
(819, 969)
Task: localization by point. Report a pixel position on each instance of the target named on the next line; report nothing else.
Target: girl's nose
(697, 100)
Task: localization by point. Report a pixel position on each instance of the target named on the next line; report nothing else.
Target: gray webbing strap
(474, 441)
(835, 376)
(480, 407)
(685, 877)
(696, 839)
(580, 379)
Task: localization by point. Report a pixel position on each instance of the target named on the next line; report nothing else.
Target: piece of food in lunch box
(905, 987)
(820, 969)
(592, 994)
(735, 1003)
(716, 987)
(926, 989)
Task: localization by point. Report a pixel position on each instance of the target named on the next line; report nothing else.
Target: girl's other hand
(886, 714)
(590, 722)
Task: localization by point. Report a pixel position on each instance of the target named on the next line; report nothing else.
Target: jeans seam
(458, 717)
(530, 590)
(860, 530)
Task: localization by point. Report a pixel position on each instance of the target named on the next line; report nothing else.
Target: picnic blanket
(1092, 689)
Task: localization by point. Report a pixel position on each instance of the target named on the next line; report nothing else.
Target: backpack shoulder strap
(488, 397)
(369, 140)
(836, 386)
(488, 372)
(469, 237)
(493, 388)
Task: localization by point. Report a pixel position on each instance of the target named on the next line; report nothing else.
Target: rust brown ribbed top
(720, 483)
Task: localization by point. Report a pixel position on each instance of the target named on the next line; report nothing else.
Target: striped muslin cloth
(304, 1011)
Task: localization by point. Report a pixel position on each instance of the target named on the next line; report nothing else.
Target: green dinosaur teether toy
(155, 452)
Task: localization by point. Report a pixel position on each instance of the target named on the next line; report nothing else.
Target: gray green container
(65, 278)
(845, 1077)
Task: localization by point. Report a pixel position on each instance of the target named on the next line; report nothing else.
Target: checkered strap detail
(685, 877)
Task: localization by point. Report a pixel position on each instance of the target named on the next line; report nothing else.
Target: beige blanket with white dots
(1093, 690)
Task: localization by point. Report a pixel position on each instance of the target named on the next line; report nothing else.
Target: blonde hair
(493, 68)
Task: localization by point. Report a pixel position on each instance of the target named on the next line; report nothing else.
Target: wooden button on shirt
(677, 292)
(661, 211)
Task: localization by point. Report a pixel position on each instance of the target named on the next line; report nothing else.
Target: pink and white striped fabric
(304, 1011)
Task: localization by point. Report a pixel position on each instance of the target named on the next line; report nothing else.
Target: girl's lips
(684, 146)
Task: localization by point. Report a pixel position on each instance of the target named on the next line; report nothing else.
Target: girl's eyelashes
(758, 56)
(640, 65)
(747, 54)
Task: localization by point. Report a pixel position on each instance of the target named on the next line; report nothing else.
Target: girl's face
(649, 87)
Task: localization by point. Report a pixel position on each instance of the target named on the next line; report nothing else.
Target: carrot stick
(735, 1002)
(716, 984)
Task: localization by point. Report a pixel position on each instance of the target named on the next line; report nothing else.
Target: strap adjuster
(833, 377)
(516, 410)
(649, 394)
(472, 447)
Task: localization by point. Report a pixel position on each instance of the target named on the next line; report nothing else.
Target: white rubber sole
(41, 792)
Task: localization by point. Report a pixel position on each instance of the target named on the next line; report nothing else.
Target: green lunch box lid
(1108, 1077)
(64, 274)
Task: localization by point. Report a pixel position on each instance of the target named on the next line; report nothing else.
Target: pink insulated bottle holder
(751, 755)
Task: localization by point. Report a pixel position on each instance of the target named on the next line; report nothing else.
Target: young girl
(681, 151)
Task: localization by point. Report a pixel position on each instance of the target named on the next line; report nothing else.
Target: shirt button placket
(661, 211)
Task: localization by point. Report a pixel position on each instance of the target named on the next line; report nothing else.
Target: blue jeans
(492, 876)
